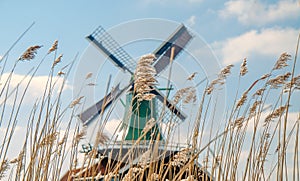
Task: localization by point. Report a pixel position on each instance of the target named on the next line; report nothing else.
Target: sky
(258, 30)
(223, 24)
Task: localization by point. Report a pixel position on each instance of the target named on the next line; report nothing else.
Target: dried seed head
(54, 47)
(181, 158)
(15, 160)
(242, 100)
(56, 61)
(294, 83)
(48, 139)
(19, 162)
(30, 53)
(179, 94)
(259, 92)
(149, 58)
(191, 96)
(244, 68)
(144, 78)
(76, 101)
(279, 80)
(212, 85)
(226, 71)
(88, 75)
(133, 172)
(80, 135)
(188, 95)
(220, 80)
(265, 76)
(275, 114)
(209, 89)
(282, 61)
(254, 106)
(61, 73)
(148, 96)
(239, 122)
(192, 76)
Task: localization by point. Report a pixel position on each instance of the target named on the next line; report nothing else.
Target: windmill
(138, 113)
(122, 60)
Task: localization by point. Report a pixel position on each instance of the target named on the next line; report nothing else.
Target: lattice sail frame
(110, 47)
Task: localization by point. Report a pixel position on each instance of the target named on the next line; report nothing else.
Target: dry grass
(249, 146)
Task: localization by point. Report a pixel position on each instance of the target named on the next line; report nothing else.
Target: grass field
(253, 144)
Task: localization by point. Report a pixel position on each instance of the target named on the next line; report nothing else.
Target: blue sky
(215, 21)
(219, 23)
(259, 30)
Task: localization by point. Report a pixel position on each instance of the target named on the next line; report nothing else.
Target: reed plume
(144, 78)
(30, 53)
(220, 80)
(57, 60)
(76, 101)
(53, 47)
(282, 61)
(244, 69)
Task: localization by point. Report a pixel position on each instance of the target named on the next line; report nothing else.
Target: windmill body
(136, 116)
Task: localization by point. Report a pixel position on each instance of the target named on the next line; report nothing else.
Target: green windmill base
(137, 114)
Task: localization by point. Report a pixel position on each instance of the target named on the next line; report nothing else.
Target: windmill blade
(89, 114)
(179, 39)
(107, 45)
(173, 108)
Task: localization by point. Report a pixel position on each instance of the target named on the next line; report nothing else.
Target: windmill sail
(103, 40)
(179, 39)
(89, 114)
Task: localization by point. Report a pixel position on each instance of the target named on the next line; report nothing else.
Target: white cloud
(258, 13)
(112, 125)
(270, 42)
(191, 21)
(35, 90)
